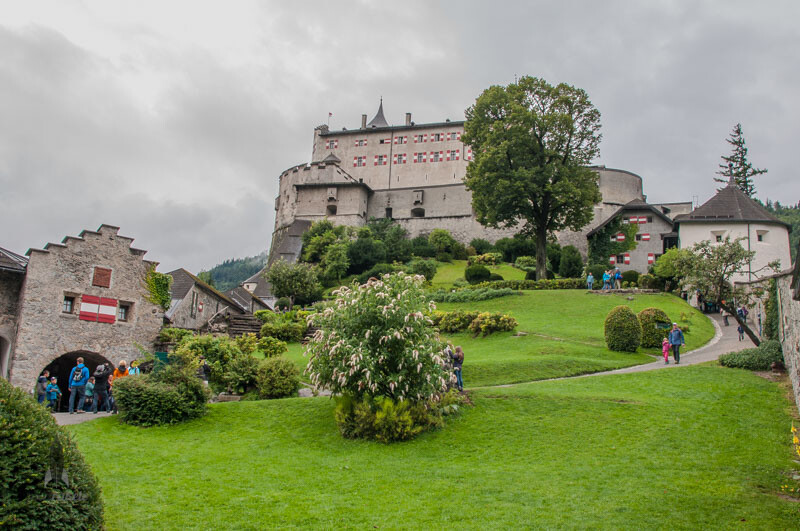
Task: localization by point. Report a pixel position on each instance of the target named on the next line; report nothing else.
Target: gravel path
(65, 419)
(726, 339)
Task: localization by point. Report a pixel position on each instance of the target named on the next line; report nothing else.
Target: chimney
(363, 121)
(408, 118)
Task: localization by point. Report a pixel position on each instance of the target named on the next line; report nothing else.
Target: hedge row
(557, 283)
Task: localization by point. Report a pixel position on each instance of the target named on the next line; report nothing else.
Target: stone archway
(5, 357)
(61, 366)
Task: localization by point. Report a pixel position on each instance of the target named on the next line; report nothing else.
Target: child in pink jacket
(665, 350)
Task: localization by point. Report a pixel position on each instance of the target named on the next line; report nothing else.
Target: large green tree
(736, 164)
(294, 281)
(532, 142)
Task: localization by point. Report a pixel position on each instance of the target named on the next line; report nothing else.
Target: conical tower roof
(730, 204)
(379, 120)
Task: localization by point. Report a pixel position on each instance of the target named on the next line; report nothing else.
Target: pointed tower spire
(379, 120)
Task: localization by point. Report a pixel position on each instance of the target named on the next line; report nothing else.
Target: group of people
(742, 313)
(92, 392)
(612, 279)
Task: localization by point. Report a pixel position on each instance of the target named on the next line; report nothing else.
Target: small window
(649, 219)
(69, 304)
(123, 312)
(359, 162)
(638, 237)
(361, 142)
(718, 238)
(761, 235)
(331, 210)
(389, 213)
(436, 137)
(417, 212)
(332, 144)
(419, 138)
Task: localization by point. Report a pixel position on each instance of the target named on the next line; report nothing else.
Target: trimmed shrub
(622, 330)
(531, 275)
(457, 321)
(169, 396)
(459, 251)
(648, 320)
(514, 247)
(485, 259)
(760, 358)
(481, 246)
(476, 273)
(376, 271)
(557, 283)
(648, 282)
(630, 276)
(444, 257)
(285, 331)
(277, 378)
(488, 323)
(526, 263)
(173, 335)
(271, 347)
(418, 266)
(494, 277)
(33, 445)
(387, 420)
(470, 295)
(283, 303)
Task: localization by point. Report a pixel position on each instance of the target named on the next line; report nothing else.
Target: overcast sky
(174, 119)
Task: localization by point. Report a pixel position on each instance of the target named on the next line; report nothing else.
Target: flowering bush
(457, 321)
(485, 259)
(376, 341)
(487, 323)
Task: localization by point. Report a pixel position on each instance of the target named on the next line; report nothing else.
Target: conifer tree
(737, 165)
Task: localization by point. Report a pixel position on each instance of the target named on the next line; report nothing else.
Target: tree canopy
(296, 281)
(532, 142)
(736, 164)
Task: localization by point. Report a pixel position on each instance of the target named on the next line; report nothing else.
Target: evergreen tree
(737, 166)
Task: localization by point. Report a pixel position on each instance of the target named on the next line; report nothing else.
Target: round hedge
(648, 320)
(622, 330)
(170, 396)
(277, 378)
(477, 273)
(31, 445)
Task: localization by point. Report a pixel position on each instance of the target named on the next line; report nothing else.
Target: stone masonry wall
(790, 332)
(194, 319)
(10, 286)
(45, 332)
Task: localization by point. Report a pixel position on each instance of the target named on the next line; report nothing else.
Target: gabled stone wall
(45, 331)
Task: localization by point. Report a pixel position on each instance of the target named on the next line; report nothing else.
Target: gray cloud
(181, 144)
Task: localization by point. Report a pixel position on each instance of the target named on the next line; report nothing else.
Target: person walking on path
(78, 377)
(617, 279)
(606, 280)
(119, 372)
(53, 393)
(724, 317)
(41, 386)
(101, 375)
(589, 282)
(458, 361)
(676, 341)
(741, 332)
(665, 350)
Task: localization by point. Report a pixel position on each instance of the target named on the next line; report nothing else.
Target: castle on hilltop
(413, 174)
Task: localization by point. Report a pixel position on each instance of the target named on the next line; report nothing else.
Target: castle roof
(634, 205)
(182, 282)
(11, 261)
(730, 205)
(379, 120)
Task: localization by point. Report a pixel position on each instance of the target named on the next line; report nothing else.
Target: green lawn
(565, 335)
(450, 272)
(687, 448)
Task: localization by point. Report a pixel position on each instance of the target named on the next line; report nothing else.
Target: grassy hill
(687, 448)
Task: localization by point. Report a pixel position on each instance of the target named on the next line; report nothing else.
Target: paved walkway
(65, 419)
(726, 339)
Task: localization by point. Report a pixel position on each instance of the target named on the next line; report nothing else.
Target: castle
(413, 174)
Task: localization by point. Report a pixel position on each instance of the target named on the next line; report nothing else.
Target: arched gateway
(62, 365)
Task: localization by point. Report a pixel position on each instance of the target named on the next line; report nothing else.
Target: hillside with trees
(791, 215)
(233, 271)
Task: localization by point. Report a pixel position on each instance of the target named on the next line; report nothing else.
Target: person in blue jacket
(676, 341)
(53, 392)
(78, 377)
(589, 281)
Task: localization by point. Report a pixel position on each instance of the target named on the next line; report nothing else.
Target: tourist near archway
(61, 366)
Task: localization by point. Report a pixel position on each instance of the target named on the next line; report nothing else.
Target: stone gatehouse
(83, 297)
